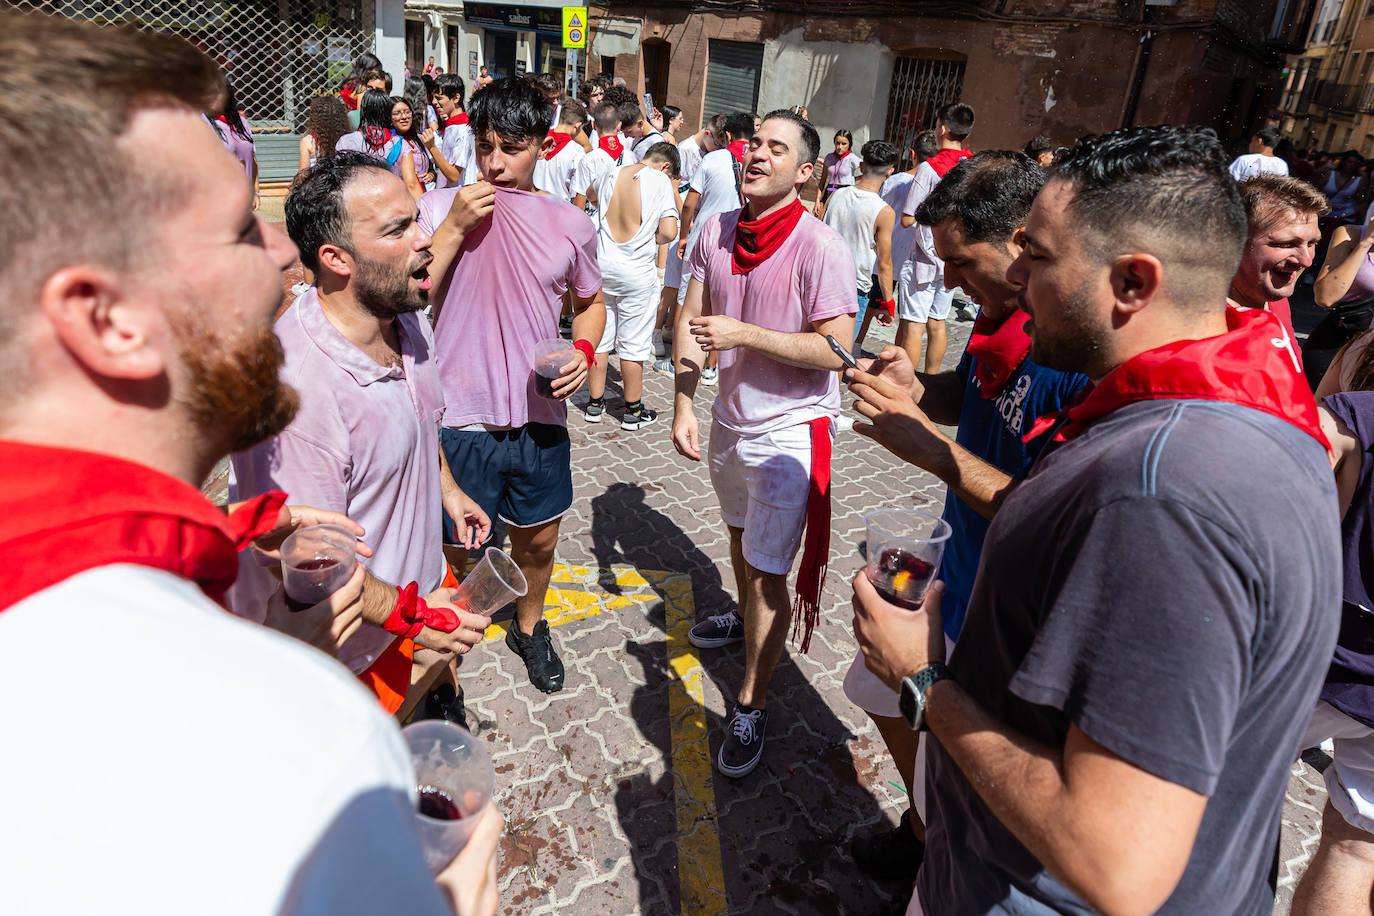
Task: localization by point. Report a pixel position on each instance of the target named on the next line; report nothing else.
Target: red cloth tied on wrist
(585, 347)
(411, 614)
(757, 239)
(999, 350)
(887, 305)
(806, 609)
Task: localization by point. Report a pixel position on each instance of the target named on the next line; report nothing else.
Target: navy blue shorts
(522, 476)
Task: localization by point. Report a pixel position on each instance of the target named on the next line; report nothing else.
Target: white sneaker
(659, 348)
(709, 375)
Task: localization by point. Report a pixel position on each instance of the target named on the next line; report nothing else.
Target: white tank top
(852, 212)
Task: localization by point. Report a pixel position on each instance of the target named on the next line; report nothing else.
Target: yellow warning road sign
(574, 26)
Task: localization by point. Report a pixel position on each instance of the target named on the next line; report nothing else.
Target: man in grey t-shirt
(1151, 618)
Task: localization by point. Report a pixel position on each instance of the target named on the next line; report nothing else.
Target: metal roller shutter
(732, 76)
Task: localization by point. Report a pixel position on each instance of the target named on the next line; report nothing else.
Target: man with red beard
(138, 323)
(1282, 214)
(365, 442)
(769, 283)
(1153, 618)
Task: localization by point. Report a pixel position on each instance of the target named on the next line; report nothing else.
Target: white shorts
(922, 302)
(1350, 778)
(762, 483)
(672, 274)
(630, 324)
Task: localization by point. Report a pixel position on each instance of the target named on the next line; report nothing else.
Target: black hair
(630, 114)
(585, 90)
(810, 140)
(429, 82)
(418, 96)
(451, 85)
(879, 154)
(315, 211)
(607, 119)
(512, 109)
(1037, 145)
(1268, 136)
(365, 64)
(1169, 185)
(571, 112)
(846, 134)
(546, 83)
(990, 194)
(666, 152)
(957, 118)
(739, 125)
(231, 112)
(670, 112)
(375, 109)
(925, 145)
(619, 95)
(327, 122)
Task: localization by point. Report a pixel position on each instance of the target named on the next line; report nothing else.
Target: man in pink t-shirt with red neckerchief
(503, 269)
(768, 284)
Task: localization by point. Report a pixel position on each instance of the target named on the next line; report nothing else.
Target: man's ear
(337, 260)
(112, 333)
(1135, 280)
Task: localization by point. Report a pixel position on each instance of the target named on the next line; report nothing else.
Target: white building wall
(391, 38)
(842, 84)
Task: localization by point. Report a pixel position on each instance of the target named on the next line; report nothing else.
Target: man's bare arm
(805, 349)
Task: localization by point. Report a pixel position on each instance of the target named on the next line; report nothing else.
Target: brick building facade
(1062, 68)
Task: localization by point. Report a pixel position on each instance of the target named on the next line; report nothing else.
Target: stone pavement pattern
(607, 787)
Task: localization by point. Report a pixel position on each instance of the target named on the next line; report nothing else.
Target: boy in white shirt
(554, 171)
(1261, 159)
(864, 220)
(609, 153)
(456, 141)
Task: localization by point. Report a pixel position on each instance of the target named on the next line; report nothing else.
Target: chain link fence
(277, 54)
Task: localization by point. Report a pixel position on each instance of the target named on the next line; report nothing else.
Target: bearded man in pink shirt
(502, 285)
(768, 284)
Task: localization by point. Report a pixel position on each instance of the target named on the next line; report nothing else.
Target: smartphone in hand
(845, 356)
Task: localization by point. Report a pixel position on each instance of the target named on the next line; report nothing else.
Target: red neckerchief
(349, 99)
(455, 119)
(376, 138)
(757, 239)
(947, 159)
(737, 150)
(560, 140)
(64, 511)
(806, 609)
(999, 349)
(612, 146)
(1250, 365)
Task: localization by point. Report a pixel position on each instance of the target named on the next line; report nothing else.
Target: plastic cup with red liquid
(454, 779)
(904, 551)
(315, 563)
(550, 356)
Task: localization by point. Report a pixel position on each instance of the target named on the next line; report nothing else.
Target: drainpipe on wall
(1142, 64)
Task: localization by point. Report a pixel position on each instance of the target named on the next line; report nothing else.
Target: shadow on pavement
(784, 829)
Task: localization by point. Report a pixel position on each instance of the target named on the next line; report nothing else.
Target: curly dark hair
(327, 122)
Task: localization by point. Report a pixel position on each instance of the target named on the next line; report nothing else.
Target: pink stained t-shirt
(505, 294)
(365, 442)
(809, 278)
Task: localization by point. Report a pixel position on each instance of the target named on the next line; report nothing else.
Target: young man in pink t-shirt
(768, 284)
(502, 283)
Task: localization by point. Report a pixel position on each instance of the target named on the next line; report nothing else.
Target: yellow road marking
(574, 595)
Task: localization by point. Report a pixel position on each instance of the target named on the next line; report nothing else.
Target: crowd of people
(1157, 567)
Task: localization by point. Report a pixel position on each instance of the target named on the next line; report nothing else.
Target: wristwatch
(913, 699)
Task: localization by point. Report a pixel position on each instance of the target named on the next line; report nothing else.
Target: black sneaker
(443, 702)
(716, 631)
(638, 419)
(743, 744)
(542, 663)
(893, 855)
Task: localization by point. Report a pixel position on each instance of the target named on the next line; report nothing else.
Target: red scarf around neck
(64, 511)
(999, 349)
(612, 146)
(560, 140)
(757, 239)
(1249, 365)
(455, 119)
(947, 159)
(737, 150)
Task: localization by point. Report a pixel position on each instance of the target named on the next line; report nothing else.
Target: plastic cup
(453, 776)
(316, 562)
(904, 551)
(493, 583)
(550, 356)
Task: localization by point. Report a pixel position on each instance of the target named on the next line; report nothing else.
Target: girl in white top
(838, 169)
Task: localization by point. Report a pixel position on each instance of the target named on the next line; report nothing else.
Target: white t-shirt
(853, 213)
(894, 195)
(640, 147)
(926, 266)
(689, 154)
(841, 173)
(631, 267)
(591, 168)
(460, 148)
(556, 175)
(225, 769)
(715, 182)
(1252, 164)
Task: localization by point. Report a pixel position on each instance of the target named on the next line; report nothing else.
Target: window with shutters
(921, 86)
(732, 76)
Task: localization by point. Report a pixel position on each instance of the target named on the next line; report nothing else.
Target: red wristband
(887, 305)
(585, 346)
(411, 615)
